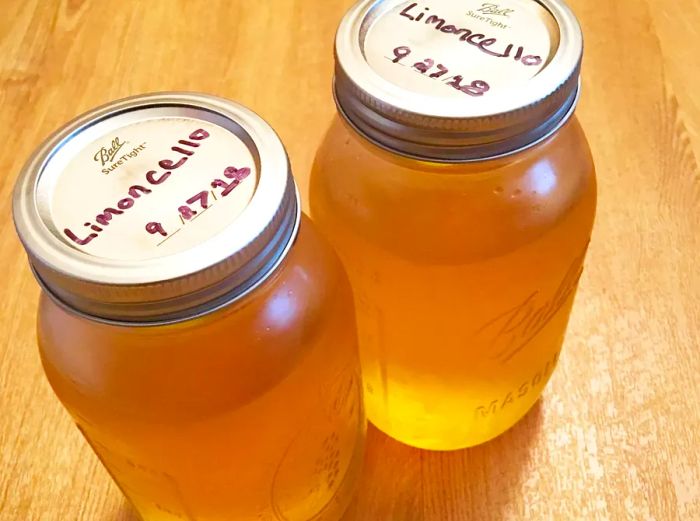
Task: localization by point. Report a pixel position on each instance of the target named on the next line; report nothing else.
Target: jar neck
(482, 166)
(448, 146)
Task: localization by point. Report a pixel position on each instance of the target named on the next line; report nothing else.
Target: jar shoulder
(228, 357)
(311, 273)
(483, 206)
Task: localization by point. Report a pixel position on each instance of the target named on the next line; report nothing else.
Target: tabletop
(617, 433)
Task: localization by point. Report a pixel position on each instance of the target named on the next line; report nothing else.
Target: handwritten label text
(201, 200)
(185, 147)
(440, 72)
(478, 40)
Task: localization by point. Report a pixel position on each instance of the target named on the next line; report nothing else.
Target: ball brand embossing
(514, 329)
(535, 382)
(335, 451)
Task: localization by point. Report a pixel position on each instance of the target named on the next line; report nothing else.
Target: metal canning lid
(458, 80)
(157, 208)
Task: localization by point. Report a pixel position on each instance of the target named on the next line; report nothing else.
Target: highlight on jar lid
(458, 80)
(157, 208)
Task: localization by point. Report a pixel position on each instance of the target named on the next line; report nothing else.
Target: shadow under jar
(459, 190)
(192, 321)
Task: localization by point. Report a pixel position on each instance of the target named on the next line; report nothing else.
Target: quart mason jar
(459, 190)
(192, 321)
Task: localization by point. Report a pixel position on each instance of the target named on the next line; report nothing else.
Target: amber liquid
(464, 277)
(251, 413)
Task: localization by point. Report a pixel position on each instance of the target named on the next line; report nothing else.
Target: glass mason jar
(192, 321)
(459, 190)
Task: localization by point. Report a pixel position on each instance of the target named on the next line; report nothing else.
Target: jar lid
(157, 208)
(452, 80)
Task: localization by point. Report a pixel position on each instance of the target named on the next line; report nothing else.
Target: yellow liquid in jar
(464, 277)
(252, 413)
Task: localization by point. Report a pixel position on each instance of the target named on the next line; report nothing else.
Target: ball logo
(106, 155)
(495, 9)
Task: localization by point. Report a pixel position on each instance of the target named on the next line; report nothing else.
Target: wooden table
(617, 434)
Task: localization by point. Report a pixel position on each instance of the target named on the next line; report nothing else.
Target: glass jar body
(464, 276)
(252, 412)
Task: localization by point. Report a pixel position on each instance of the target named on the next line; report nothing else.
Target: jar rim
(180, 284)
(423, 123)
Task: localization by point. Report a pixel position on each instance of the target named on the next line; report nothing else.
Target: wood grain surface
(617, 434)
